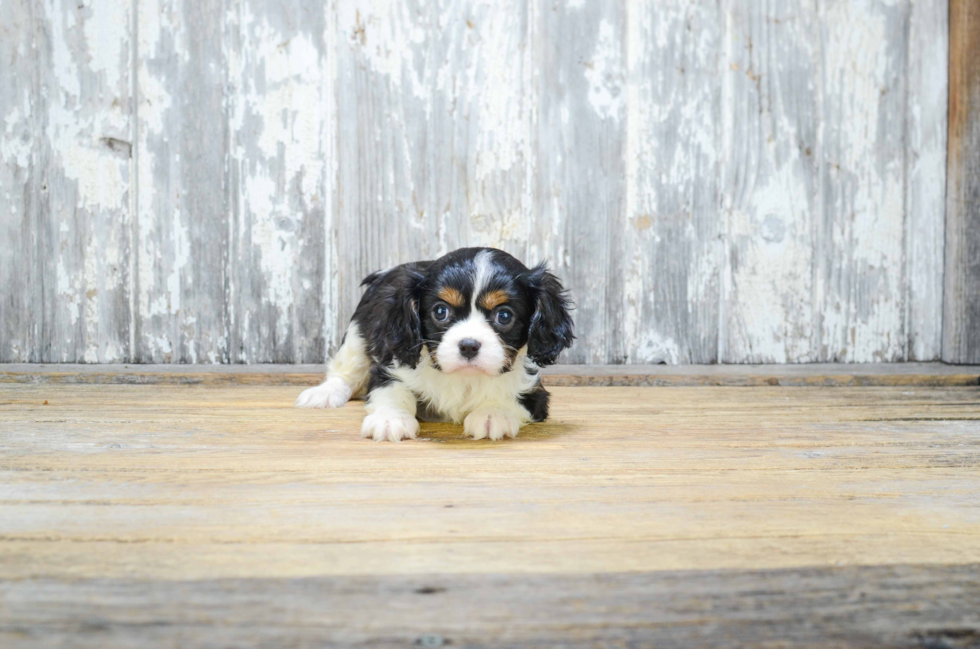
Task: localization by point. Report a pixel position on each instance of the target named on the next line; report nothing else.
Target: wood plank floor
(219, 516)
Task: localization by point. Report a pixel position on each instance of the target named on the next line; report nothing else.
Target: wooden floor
(219, 516)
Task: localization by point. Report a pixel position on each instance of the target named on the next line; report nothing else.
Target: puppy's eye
(504, 317)
(440, 312)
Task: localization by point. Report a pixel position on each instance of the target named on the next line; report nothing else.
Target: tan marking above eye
(493, 299)
(451, 296)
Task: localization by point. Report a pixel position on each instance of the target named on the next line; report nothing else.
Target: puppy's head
(477, 308)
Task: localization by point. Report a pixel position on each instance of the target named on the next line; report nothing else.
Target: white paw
(391, 425)
(332, 393)
(495, 424)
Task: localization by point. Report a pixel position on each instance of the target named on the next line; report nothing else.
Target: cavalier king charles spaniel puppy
(457, 339)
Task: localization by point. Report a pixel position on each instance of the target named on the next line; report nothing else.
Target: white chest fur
(455, 396)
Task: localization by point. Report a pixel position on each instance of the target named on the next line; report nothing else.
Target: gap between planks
(818, 374)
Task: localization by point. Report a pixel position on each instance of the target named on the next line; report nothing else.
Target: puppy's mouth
(470, 369)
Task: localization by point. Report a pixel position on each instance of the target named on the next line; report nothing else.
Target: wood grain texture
(926, 115)
(82, 179)
(18, 176)
(580, 115)
(432, 135)
(861, 272)
(209, 516)
(834, 225)
(184, 204)
(961, 310)
(673, 185)
(880, 606)
(279, 112)
(207, 182)
(771, 201)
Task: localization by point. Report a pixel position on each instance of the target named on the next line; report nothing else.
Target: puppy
(457, 339)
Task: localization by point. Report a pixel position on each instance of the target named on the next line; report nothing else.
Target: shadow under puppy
(461, 337)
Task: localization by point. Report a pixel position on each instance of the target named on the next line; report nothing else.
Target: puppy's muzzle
(469, 348)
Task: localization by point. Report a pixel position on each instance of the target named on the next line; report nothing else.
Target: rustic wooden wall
(208, 180)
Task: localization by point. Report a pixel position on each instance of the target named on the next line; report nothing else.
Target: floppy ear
(400, 329)
(551, 329)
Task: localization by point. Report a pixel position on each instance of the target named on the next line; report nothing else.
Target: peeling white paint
(495, 109)
(74, 135)
(604, 74)
(281, 110)
(869, 207)
(771, 320)
(68, 291)
(654, 349)
(374, 29)
(16, 144)
(85, 94)
(439, 142)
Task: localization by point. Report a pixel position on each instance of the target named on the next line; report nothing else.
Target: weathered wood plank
(18, 174)
(383, 88)
(772, 181)
(961, 310)
(861, 276)
(816, 374)
(867, 606)
(479, 124)
(673, 202)
(279, 119)
(432, 134)
(579, 162)
(926, 116)
(184, 203)
(84, 173)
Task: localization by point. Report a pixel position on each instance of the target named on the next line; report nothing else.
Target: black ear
(400, 330)
(551, 329)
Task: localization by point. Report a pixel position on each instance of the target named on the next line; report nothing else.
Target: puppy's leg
(391, 411)
(346, 374)
(495, 421)
(535, 402)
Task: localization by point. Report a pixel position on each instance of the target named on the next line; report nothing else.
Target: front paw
(392, 425)
(332, 393)
(495, 424)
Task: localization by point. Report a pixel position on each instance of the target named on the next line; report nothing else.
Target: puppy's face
(476, 311)
(472, 311)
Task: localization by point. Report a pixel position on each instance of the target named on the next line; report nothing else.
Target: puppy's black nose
(469, 348)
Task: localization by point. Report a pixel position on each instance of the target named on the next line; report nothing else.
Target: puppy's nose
(469, 348)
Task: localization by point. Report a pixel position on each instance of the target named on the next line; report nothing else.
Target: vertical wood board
(184, 215)
(18, 172)
(82, 179)
(579, 163)
(771, 194)
(961, 310)
(673, 186)
(278, 117)
(925, 161)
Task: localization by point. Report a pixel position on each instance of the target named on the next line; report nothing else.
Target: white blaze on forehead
(484, 269)
(492, 355)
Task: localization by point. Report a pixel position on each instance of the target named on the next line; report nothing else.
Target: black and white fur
(424, 338)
